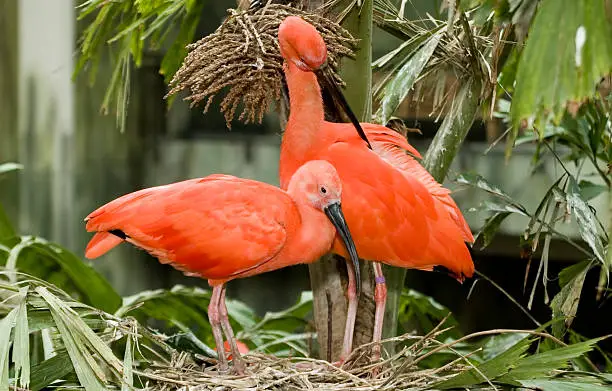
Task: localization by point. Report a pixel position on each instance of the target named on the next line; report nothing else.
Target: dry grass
(243, 58)
(265, 372)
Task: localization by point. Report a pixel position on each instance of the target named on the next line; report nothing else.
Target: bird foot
(239, 367)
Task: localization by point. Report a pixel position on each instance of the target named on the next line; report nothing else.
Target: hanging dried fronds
(243, 57)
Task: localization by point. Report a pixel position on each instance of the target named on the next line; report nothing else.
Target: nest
(243, 58)
(399, 371)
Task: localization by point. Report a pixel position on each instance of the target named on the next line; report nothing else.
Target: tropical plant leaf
(6, 229)
(180, 307)
(587, 221)
(130, 28)
(423, 313)
(128, 359)
(542, 364)
(498, 344)
(80, 342)
(50, 370)
(401, 82)
(567, 53)
(279, 331)
(490, 369)
(8, 167)
(565, 303)
(53, 263)
(6, 327)
(490, 228)
(21, 342)
(477, 181)
(290, 319)
(454, 128)
(590, 190)
(577, 384)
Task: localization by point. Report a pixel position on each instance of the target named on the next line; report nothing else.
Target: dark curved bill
(335, 215)
(327, 82)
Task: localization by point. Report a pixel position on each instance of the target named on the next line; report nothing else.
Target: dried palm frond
(243, 57)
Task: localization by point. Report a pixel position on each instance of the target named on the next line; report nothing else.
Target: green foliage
(8, 167)
(422, 313)
(129, 28)
(183, 312)
(75, 340)
(55, 264)
(489, 370)
(566, 55)
(404, 72)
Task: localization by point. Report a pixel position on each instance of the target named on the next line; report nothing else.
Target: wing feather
(214, 227)
(392, 147)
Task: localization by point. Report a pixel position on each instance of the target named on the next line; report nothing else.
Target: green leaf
(580, 384)
(178, 307)
(6, 229)
(477, 181)
(454, 128)
(587, 221)
(498, 344)
(50, 370)
(402, 81)
(178, 51)
(53, 263)
(567, 53)
(21, 343)
(565, 303)
(128, 359)
(489, 370)
(87, 371)
(6, 327)
(590, 190)
(8, 167)
(291, 318)
(79, 341)
(424, 313)
(277, 331)
(542, 364)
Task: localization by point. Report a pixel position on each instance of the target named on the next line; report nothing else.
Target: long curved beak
(327, 82)
(335, 215)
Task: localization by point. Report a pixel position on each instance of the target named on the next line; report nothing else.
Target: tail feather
(100, 244)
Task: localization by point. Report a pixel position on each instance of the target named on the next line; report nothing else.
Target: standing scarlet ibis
(397, 212)
(221, 227)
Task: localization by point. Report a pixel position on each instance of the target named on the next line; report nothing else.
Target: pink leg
(351, 294)
(380, 299)
(215, 323)
(239, 365)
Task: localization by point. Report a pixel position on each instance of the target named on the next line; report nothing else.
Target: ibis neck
(315, 236)
(305, 120)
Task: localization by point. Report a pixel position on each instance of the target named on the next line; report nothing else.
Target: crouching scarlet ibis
(397, 212)
(221, 227)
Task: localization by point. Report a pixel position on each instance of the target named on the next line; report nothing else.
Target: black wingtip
(119, 233)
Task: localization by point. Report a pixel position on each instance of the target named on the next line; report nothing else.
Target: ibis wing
(215, 227)
(393, 216)
(392, 148)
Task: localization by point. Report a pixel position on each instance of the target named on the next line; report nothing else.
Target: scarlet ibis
(221, 227)
(398, 213)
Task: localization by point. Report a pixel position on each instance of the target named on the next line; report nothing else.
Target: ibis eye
(323, 190)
